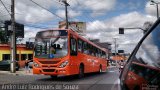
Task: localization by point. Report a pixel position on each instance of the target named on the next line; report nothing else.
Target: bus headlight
(63, 64)
(35, 64)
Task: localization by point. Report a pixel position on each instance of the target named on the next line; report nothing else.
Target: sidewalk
(20, 72)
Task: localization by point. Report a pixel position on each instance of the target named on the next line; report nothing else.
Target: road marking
(116, 85)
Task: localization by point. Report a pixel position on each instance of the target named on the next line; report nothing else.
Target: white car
(30, 64)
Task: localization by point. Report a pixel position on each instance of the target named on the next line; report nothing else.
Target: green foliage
(3, 37)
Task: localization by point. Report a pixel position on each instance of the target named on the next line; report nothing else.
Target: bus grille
(49, 62)
(46, 66)
(48, 70)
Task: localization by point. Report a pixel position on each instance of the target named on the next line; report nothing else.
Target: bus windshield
(50, 46)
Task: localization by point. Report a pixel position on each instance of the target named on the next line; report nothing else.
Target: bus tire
(53, 77)
(100, 69)
(81, 71)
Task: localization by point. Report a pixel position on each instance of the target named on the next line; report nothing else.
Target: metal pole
(115, 46)
(157, 11)
(137, 28)
(13, 42)
(66, 16)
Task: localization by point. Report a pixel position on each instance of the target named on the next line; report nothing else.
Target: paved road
(94, 81)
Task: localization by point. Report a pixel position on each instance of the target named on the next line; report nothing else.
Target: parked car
(5, 65)
(142, 70)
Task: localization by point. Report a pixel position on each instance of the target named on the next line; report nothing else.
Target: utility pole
(66, 12)
(13, 39)
(115, 42)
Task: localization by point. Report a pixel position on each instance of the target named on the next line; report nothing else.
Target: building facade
(22, 53)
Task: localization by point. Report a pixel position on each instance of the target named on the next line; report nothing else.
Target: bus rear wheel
(100, 69)
(81, 71)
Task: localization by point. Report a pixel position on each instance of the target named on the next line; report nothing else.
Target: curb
(18, 73)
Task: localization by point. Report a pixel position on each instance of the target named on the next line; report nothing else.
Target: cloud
(95, 26)
(97, 5)
(28, 12)
(71, 13)
(4, 15)
(130, 5)
(93, 6)
(107, 30)
(30, 34)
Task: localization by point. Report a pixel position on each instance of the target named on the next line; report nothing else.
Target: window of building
(6, 56)
(17, 57)
(23, 56)
(30, 56)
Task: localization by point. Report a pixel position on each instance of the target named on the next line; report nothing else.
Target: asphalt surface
(94, 81)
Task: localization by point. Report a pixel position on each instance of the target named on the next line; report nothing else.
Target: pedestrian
(121, 65)
(27, 69)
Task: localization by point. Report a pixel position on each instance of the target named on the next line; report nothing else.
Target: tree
(3, 37)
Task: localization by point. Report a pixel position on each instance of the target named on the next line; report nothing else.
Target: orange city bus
(64, 52)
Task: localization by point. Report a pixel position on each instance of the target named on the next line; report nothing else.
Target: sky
(103, 18)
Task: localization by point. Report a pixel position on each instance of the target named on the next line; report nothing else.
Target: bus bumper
(52, 71)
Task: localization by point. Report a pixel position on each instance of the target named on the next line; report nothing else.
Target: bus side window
(85, 48)
(80, 45)
(73, 49)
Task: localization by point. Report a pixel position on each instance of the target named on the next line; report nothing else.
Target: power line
(90, 18)
(5, 7)
(42, 27)
(37, 26)
(58, 2)
(69, 1)
(4, 15)
(46, 9)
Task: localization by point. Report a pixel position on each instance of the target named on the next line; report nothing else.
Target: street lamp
(152, 3)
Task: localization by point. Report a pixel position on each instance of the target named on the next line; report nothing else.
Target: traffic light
(29, 45)
(121, 30)
(120, 51)
(18, 27)
(19, 30)
(8, 27)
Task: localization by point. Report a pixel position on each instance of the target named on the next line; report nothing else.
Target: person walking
(121, 65)
(27, 69)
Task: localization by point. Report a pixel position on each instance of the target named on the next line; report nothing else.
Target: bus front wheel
(81, 71)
